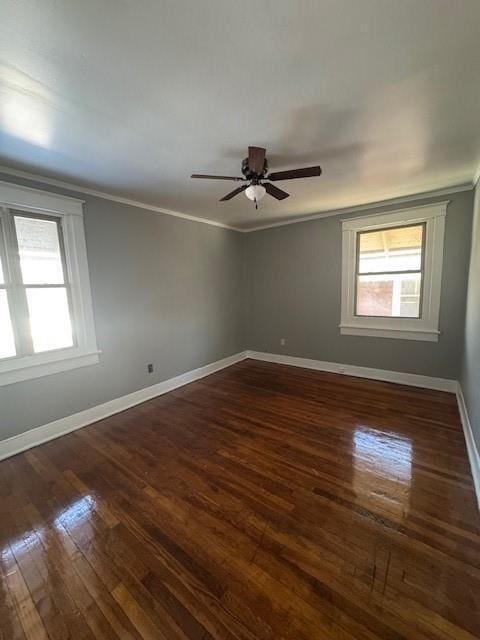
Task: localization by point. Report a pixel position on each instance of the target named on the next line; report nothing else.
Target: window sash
(420, 271)
(401, 297)
(17, 289)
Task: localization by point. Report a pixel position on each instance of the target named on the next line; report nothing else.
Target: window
(46, 321)
(392, 267)
(389, 272)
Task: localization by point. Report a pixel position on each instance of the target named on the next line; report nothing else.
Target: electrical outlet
(150, 368)
(282, 342)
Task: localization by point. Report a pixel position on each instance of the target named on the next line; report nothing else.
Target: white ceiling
(131, 96)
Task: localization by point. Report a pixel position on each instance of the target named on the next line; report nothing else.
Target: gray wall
(294, 288)
(470, 377)
(165, 290)
(182, 294)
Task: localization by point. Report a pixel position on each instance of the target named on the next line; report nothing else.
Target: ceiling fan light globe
(255, 192)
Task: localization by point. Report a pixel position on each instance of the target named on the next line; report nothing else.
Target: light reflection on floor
(76, 513)
(382, 468)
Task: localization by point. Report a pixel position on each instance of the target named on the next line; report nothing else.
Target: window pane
(7, 342)
(396, 296)
(39, 249)
(397, 249)
(49, 319)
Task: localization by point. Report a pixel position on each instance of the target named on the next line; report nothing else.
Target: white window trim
(85, 352)
(424, 328)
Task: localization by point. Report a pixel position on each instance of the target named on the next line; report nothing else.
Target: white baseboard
(34, 437)
(473, 455)
(410, 379)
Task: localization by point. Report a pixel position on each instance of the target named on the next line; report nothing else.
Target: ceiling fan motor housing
(251, 175)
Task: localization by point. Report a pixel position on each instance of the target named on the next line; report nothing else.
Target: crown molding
(110, 196)
(366, 207)
(177, 214)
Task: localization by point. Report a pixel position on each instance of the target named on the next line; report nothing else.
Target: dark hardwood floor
(264, 502)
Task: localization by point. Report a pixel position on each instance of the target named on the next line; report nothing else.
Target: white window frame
(427, 326)
(84, 352)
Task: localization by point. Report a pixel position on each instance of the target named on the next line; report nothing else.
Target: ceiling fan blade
(256, 159)
(274, 191)
(207, 177)
(307, 172)
(234, 193)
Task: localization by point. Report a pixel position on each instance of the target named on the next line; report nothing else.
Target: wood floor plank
(27, 612)
(264, 502)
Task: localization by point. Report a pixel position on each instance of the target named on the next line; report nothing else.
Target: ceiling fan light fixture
(255, 192)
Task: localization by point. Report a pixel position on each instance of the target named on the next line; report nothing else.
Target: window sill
(47, 364)
(425, 335)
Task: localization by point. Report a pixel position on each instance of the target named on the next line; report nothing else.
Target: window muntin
(389, 272)
(37, 293)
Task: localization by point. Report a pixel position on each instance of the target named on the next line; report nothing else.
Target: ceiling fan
(255, 171)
